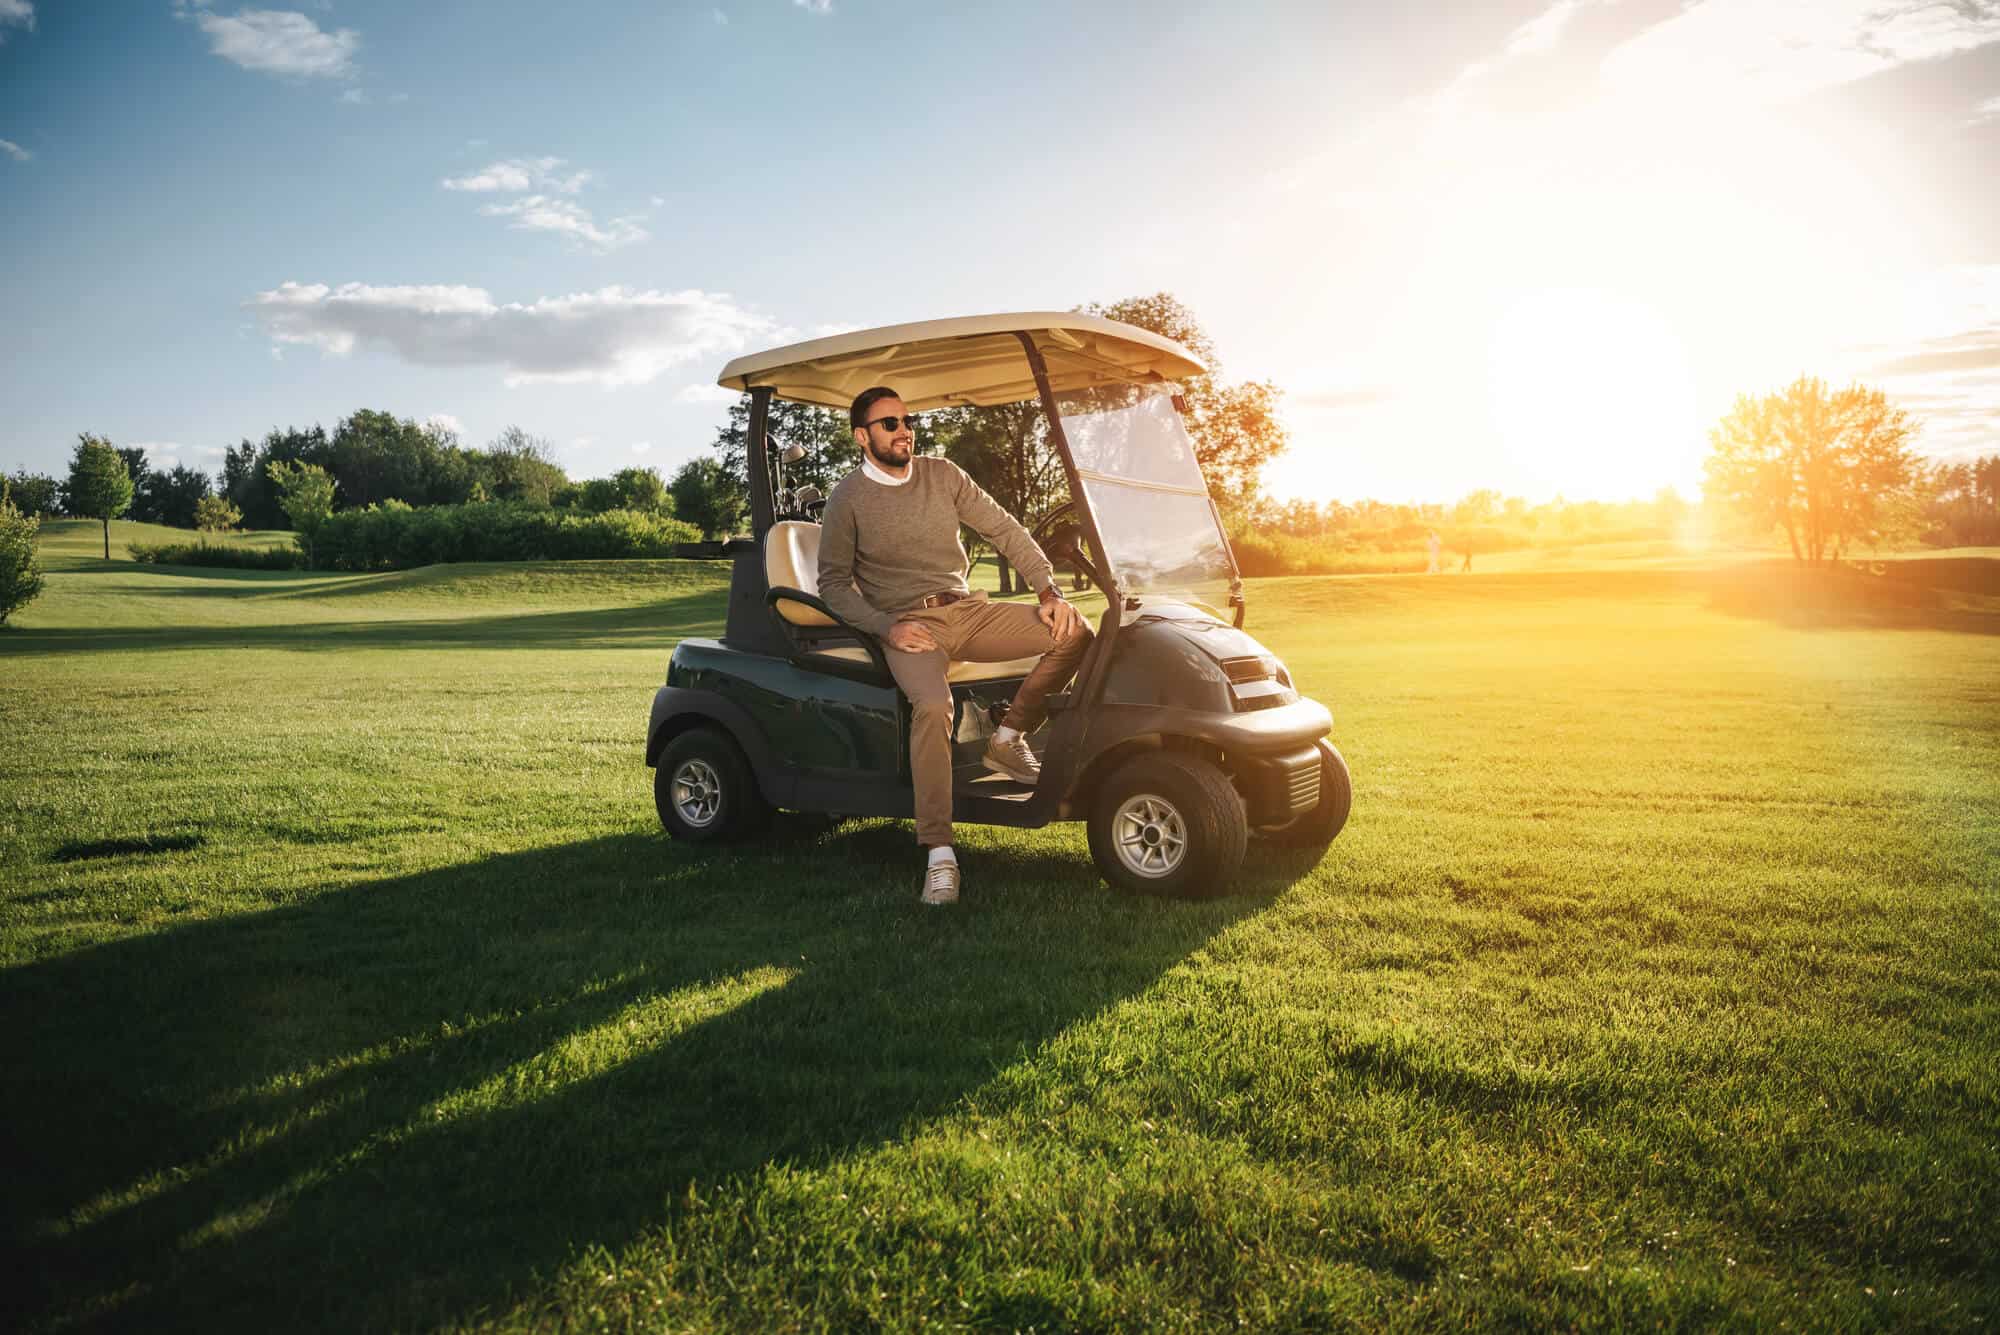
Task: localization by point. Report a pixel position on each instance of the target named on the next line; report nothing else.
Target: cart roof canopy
(975, 359)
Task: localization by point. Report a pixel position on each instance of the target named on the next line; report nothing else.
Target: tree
(1478, 507)
(213, 514)
(520, 467)
(1235, 428)
(597, 495)
(138, 470)
(376, 457)
(709, 497)
(246, 471)
(306, 492)
(99, 485)
(35, 494)
(20, 564)
(1829, 467)
(642, 489)
(1006, 450)
(171, 497)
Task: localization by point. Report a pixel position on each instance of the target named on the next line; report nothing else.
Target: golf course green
(347, 980)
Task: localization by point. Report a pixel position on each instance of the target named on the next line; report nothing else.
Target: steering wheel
(1060, 536)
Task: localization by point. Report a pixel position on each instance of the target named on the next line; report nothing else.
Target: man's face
(891, 449)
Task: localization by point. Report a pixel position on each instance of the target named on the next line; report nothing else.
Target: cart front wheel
(704, 789)
(1169, 824)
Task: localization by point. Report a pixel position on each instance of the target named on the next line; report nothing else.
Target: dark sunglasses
(895, 424)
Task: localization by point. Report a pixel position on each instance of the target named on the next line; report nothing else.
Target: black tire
(718, 798)
(1317, 828)
(1191, 799)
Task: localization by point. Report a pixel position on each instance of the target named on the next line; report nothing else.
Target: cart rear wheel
(1169, 824)
(1317, 828)
(704, 789)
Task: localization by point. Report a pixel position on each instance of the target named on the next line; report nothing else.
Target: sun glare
(1591, 395)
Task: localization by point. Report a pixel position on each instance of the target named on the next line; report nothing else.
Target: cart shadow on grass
(365, 1109)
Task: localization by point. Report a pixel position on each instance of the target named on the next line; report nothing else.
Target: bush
(396, 537)
(20, 564)
(218, 554)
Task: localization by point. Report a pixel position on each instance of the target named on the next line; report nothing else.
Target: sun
(1591, 395)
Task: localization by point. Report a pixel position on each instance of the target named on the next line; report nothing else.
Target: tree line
(370, 459)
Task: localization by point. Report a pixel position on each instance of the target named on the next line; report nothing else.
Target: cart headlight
(1258, 681)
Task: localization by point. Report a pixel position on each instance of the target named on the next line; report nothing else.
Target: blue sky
(1467, 240)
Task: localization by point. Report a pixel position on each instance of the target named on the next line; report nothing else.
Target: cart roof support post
(763, 507)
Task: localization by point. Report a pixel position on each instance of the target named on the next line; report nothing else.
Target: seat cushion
(791, 561)
(957, 674)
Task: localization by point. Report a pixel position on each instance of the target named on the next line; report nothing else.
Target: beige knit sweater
(883, 549)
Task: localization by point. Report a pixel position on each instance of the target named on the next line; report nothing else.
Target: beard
(893, 455)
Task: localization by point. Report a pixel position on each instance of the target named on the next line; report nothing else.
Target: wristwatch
(1048, 593)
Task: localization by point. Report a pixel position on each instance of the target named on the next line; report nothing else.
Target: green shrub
(201, 553)
(396, 537)
(20, 564)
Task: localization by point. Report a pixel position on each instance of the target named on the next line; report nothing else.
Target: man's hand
(1060, 617)
(912, 637)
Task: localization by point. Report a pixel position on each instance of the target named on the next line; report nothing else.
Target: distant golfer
(1434, 543)
(891, 563)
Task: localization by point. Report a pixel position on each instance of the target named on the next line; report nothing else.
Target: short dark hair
(866, 399)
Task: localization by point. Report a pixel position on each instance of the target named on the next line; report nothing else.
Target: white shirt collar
(875, 473)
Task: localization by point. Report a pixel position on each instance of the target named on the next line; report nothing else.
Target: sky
(1529, 246)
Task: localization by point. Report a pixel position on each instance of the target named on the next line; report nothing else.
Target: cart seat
(957, 673)
(791, 561)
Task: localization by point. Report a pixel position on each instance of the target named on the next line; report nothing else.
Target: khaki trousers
(972, 630)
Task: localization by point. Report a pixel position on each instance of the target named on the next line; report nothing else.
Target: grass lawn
(346, 980)
(69, 544)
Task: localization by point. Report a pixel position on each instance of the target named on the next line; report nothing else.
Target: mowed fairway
(346, 980)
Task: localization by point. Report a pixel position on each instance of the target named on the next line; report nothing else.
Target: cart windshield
(1145, 489)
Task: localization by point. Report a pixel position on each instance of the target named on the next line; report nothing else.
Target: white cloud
(518, 174)
(720, 17)
(641, 447)
(539, 213)
(1773, 51)
(277, 41)
(354, 97)
(211, 451)
(1544, 30)
(700, 392)
(16, 14)
(815, 6)
(1986, 111)
(161, 455)
(15, 151)
(613, 336)
(445, 422)
(658, 200)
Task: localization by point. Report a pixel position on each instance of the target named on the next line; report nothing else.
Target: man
(891, 564)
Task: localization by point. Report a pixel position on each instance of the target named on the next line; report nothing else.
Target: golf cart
(1180, 736)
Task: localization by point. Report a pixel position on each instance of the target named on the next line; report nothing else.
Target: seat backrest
(791, 561)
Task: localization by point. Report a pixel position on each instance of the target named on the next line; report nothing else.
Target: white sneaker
(1013, 759)
(941, 883)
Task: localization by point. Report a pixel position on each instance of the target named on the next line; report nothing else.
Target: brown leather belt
(942, 599)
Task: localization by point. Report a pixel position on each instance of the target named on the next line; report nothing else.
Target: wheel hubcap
(697, 792)
(1150, 836)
